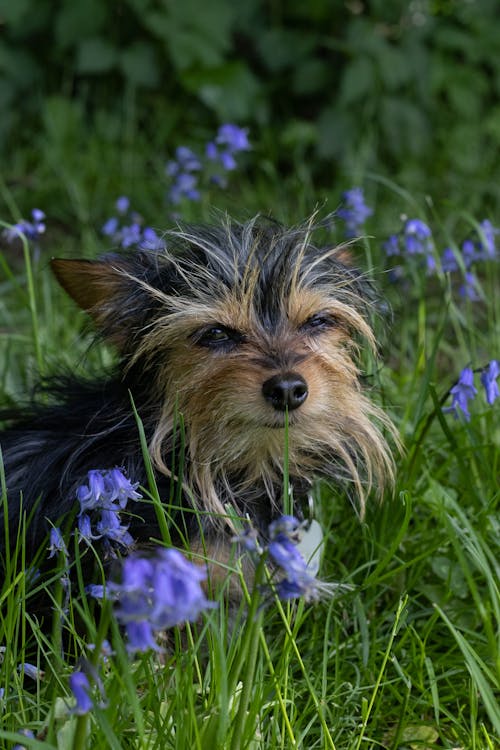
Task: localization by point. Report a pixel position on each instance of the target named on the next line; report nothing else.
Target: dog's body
(229, 339)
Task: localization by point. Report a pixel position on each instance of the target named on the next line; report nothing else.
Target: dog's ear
(89, 283)
(98, 288)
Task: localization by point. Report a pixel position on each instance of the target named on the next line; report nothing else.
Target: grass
(407, 657)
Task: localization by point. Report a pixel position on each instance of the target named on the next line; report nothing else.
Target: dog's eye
(317, 322)
(218, 337)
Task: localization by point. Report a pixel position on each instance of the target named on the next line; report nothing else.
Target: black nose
(286, 391)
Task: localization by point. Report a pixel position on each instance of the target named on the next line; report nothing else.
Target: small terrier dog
(237, 345)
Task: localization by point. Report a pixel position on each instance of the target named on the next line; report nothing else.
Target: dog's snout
(287, 391)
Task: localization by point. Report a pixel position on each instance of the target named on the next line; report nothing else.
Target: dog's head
(252, 333)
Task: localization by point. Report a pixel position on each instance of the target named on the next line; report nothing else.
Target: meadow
(404, 654)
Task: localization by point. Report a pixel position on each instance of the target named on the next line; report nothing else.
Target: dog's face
(251, 333)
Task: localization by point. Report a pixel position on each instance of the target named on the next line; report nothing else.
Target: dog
(237, 348)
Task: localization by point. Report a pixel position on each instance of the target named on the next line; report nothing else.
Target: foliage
(404, 656)
(406, 90)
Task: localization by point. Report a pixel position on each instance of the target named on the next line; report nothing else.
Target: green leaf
(139, 65)
(96, 55)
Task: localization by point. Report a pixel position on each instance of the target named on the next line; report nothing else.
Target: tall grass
(406, 656)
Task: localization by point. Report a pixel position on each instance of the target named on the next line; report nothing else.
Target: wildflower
(30, 670)
(470, 287)
(463, 392)
(417, 237)
(293, 575)
(122, 204)
(57, 543)
(101, 501)
(354, 212)
(93, 495)
(448, 261)
(126, 230)
(80, 687)
(489, 380)
(118, 487)
(157, 593)
(233, 137)
(189, 173)
(32, 230)
(151, 241)
(185, 186)
(110, 227)
(297, 581)
(487, 244)
(109, 527)
(469, 253)
(391, 245)
(229, 141)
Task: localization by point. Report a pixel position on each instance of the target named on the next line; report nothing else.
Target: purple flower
(32, 230)
(85, 529)
(80, 687)
(94, 495)
(469, 253)
(470, 287)
(57, 543)
(30, 670)
(448, 261)
(354, 211)
(118, 487)
(489, 380)
(122, 204)
(233, 137)
(488, 232)
(140, 636)
(151, 240)
(157, 593)
(185, 186)
(391, 245)
(110, 528)
(463, 392)
(110, 227)
(417, 237)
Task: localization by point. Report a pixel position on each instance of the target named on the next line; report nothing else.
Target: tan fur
(230, 428)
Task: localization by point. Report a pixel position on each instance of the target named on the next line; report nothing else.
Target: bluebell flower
(140, 636)
(233, 137)
(185, 186)
(32, 671)
(470, 287)
(155, 594)
(489, 380)
(110, 528)
(151, 240)
(354, 211)
(469, 253)
(94, 495)
(292, 575)
(487, 240)
(448, 261)
(80, 687)
(101, 500)
(122, 204)
(32, 230)
(392, 246)
(463, 392)
(57, 543)
(417, 237)
(119, 488)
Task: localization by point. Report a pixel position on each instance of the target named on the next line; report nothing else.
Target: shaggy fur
(231, 330)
